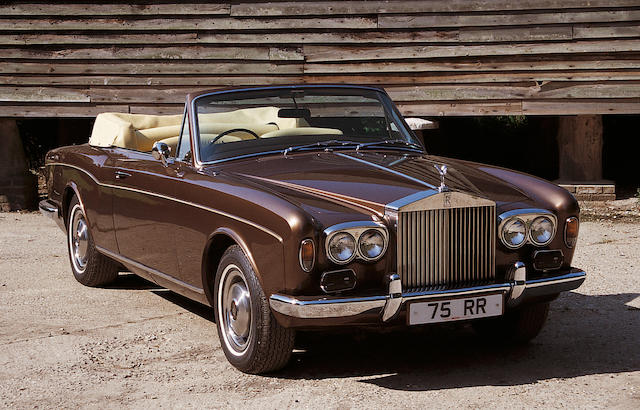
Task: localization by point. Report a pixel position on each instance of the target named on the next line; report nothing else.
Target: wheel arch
(70, 191)
(219, 241)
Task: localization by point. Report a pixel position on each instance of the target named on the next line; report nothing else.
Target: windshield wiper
(394, 142)
(321, 144)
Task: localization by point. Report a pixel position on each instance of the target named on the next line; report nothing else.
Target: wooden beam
(297, 8)
(315, 53)
(185, 24)
(580, 148)
(112, 9)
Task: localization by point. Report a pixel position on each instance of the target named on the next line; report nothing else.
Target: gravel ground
(135, 345)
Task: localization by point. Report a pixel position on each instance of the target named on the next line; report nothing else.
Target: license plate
(448, 310)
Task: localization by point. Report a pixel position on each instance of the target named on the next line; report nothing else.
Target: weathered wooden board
(112, 9)
(550, 90)
(587, 31)
(185, 24)
(155, 53)
(315, 53)
(570, 107)
(455, 57)
(272, 38)
(114, 67)
(486, 65)
(515, 34)
(60, 110)
(581, 107)
(159, 80)
(461, 108)
(42, 94)
(502, 19)
(296, 8)
(390, 79)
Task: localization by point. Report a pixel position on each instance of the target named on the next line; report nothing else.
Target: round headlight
(371, 244)
(541, 230)
(342, 247)
(514, 233)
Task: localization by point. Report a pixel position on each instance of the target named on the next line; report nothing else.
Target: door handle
(122, 175)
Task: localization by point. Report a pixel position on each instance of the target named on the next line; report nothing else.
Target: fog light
(571, 228)
(338, 281)
(307, 255)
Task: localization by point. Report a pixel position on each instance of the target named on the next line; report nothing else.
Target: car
(310, 207)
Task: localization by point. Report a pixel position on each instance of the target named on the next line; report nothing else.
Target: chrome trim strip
(124, 259)
(569, 277)
(48, 209)
(399, 203)
(502, 287)
(206, 208)
(382, 167)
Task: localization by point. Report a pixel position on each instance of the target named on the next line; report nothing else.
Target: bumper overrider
(516, 291)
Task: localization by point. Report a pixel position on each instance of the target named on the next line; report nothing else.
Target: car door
(145, 212)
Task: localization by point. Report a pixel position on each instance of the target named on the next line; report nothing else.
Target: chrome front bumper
(389, 305)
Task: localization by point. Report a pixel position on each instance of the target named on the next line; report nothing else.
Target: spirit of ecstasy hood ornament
(442, 170)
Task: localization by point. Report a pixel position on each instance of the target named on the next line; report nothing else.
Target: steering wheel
(227, 132)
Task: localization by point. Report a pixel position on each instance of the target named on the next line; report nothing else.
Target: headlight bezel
(356, 229)
(527, 216)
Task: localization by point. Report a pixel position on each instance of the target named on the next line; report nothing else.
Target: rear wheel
(89, 266)
(251, 338)
(518, 326)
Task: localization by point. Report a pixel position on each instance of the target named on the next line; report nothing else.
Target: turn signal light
(571, 228)
(307, 255)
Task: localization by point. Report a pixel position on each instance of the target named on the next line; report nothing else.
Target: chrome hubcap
(79, 239)
(235, 309)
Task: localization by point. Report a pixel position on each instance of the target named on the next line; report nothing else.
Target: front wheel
(251, 338)
(518, 326)
(90, 267)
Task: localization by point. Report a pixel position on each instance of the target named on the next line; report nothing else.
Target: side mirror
(162, 152)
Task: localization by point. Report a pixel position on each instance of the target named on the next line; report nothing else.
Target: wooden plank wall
(451, 57)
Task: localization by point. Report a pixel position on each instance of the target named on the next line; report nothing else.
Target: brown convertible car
(309, 207)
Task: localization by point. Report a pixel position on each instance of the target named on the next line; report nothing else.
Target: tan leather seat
(139, 132)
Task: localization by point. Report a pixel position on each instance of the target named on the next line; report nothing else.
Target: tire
(251, 338)
(515, 327)
(90, 267)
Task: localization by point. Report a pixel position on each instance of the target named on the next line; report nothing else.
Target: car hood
(373, 179)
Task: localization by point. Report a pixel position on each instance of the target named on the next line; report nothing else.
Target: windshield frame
(386, 102)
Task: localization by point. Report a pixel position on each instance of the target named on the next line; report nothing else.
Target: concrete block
(588, 189)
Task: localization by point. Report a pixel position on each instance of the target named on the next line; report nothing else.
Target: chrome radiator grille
(446, 248)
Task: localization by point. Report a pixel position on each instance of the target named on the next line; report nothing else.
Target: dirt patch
(136, 345)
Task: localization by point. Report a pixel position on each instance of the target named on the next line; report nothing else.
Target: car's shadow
(584, 335)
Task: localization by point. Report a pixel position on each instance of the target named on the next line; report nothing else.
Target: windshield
(276, 120)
